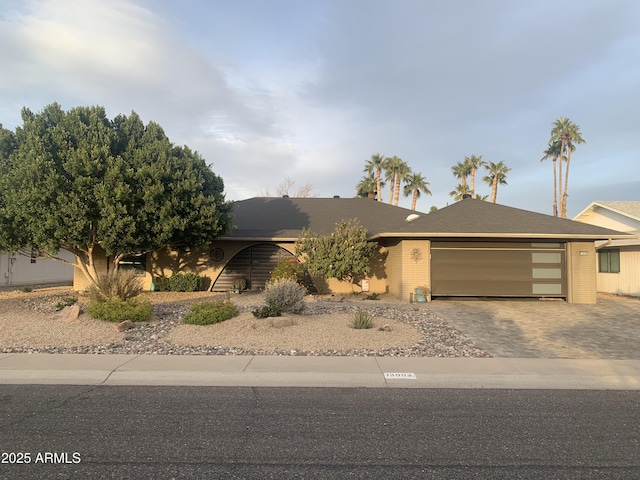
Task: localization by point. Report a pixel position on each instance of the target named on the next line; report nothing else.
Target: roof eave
(502, 235)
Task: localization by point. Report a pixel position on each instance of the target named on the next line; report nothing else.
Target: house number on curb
(400, 376)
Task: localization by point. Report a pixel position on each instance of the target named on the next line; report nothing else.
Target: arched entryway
(254, 264)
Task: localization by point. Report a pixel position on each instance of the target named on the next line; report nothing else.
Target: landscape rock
(68, 314)
(124, 326)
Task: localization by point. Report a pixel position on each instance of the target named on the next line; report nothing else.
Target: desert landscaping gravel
(29, 324)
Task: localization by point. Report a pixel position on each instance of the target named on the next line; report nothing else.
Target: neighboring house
(27, 268)
(471, 248)
(618, 263)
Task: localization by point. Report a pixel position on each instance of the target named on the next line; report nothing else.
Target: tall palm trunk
(397, 192)
(563, 144)
(494, 189)
(473, 182)
(392, 183)
(555, 187)
(563, 200)
(379, 184)
(414, 200)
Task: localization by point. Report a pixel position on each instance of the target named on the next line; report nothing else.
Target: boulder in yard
(68, 314)
(124, 326)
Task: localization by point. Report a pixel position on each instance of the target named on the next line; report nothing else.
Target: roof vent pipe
(285, 196)
(336, 196)
(466, 195)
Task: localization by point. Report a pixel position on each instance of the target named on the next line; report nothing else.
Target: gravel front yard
(28, 323)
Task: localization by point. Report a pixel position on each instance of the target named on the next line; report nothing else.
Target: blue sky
(310, 89)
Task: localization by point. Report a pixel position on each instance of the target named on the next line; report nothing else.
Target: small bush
(117, 310)
(361, 320)
(66, 302)
(121, 284)
(288, 269)
(285, 295)
(179, 282)
(207, 313)
(26, 289)
(267, 311)
(373, 296)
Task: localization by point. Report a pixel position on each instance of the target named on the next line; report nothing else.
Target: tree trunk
(560, 173)
(494, 189)
(397, 192)
(555, 187)
(414, 200)
(473, 182)
(392, 182)
(563, 200)
(379, 184)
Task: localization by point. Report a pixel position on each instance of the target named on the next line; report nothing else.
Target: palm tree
(553, 151)
(497, 176)
(366, 187)
(403, 174)
(461, 171)
(415, 185)
(375, 165)
(390, 174)
(461, 190)
(395, 170)
(568, 133)
(473, 163)
(481, 197)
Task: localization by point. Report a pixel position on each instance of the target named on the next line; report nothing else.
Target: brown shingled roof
(270, 218)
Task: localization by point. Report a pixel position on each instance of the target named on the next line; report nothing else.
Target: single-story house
(470, 248)
(28, 268)
(618, 266)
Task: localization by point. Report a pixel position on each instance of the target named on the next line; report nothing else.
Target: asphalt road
(215, 432)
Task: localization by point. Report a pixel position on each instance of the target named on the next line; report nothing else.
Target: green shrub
(290, 269)
(267, 311)
(206, 313)
(121, 284)
(117, 310)
(26, 289)
(361, 320)
(179, 282)
(66, 302)
(285, 295)
(373, 296)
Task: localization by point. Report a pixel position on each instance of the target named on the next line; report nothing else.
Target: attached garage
(498, 269)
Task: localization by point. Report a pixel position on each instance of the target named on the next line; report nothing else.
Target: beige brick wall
(581, 272)
(408, 267)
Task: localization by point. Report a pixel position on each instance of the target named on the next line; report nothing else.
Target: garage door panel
(497, 269)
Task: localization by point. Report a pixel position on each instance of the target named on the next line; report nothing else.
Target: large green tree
(345, 254)
(78, 181)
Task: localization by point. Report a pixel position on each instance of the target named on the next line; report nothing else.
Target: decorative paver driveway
(547, 329)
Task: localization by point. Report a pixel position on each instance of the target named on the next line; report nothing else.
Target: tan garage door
(496, 269)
